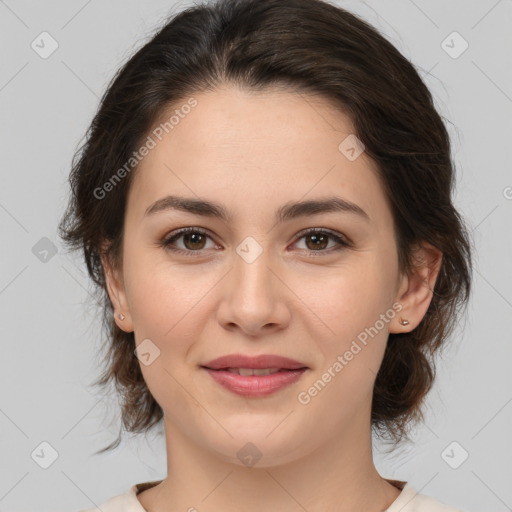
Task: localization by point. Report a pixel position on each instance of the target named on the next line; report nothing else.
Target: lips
(254, 371)
(260, 362)
(255, 376)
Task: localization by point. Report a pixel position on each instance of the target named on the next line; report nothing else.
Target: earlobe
(117, 296)
(417, 288)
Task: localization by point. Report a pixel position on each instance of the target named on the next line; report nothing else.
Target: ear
(416, 290)
(116, 292)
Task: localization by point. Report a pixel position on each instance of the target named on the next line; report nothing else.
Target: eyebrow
(286, 212)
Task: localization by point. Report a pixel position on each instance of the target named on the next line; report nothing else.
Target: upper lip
(256, 362)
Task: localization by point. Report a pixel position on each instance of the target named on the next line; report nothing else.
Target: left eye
(194, 240)
(319, 240)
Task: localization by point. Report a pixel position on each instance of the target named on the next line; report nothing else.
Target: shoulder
(410, 500)
(125, 502)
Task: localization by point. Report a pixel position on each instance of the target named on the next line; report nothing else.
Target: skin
(253, 152)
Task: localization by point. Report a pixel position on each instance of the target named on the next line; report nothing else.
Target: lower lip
(255, 385)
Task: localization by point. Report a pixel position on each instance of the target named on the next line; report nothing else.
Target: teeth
(253, 371)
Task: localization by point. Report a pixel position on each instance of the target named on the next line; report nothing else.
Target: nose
(255, 300)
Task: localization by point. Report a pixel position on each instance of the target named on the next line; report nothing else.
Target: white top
(408, 500)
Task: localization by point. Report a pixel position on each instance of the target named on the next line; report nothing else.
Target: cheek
(170, 305)
(353, 307)
(166, 307)
(348, 298)
(355, 310)
(161, 294)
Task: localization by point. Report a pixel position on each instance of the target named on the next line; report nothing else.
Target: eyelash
(166, 243)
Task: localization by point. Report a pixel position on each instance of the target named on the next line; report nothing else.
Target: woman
(264, 203)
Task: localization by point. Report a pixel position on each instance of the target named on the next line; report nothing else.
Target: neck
(337, 476)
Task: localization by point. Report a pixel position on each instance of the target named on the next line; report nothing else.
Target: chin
(258, 447)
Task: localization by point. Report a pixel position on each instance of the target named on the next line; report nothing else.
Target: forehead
(260, 146)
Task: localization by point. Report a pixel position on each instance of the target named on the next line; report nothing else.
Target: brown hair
(313, 47)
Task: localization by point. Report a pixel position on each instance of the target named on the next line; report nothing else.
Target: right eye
(194, 238)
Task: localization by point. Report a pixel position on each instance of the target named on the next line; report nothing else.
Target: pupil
(319, 240)
(189, 236)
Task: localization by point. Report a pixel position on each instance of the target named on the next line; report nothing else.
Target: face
(319, 286)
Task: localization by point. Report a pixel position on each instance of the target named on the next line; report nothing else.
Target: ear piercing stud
(403, 322)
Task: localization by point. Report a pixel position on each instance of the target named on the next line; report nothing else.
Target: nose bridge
(251, 273)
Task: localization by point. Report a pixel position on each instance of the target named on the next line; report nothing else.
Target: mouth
(259, 362)
(253, 371)
(255, 376)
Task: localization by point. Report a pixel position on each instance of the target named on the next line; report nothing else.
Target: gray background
(50, 334)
